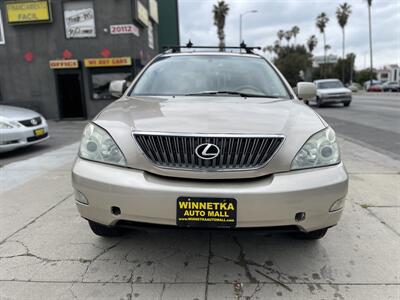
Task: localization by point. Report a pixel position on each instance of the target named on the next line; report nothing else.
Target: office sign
(79, 19)
(28, 12)
(153, 5)
(142, 13)
(108, 62)
(124, 29)
(64, 64)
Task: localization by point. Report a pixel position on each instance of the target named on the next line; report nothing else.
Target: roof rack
(189, 45)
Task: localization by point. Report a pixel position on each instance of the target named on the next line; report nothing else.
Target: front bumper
(336, 99)
(261, 202)
(22, 137)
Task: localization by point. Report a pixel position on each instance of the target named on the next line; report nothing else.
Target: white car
(20, 127)
(331, 91)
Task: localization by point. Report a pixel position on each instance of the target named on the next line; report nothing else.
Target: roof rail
(189, 45)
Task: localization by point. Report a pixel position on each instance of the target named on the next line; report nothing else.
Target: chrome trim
(228, 135)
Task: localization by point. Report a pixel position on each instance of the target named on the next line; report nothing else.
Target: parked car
(391, 86)
(21, 127)
(354, 87)
(331, 91)
(367, 84)
(210, 140)
(375, 88)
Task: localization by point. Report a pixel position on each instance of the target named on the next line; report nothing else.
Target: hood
(209, 115)
(340, 90)
(17, 113)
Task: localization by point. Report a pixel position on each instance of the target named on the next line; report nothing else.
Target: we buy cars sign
(124, 29)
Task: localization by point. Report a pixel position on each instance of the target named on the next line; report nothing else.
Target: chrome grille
(236, 152)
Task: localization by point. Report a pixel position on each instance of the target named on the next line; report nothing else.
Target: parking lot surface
(47, 250)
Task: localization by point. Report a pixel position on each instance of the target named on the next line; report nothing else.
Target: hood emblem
(34, 122)
(207, 151)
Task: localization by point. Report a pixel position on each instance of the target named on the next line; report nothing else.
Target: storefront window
(100, 82)
(79, 19)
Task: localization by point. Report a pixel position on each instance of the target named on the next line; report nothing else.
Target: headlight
(5, 125)
(320, 150)
(98, 145)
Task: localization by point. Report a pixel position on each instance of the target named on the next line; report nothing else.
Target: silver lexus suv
(210, 140)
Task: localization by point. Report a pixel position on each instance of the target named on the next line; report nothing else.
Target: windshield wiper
(206, 93)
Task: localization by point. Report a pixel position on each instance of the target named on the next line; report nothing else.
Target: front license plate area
(206, 212)
(39, 132)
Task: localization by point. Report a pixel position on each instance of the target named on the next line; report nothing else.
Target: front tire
(319, 102)
(105, 231)
(312, 235)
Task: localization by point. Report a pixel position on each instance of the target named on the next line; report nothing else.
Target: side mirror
(117, 88)
(306, 90)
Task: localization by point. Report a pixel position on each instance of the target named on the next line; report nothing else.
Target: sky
(259, 29)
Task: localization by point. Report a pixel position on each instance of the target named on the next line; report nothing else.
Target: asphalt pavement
(372, 121)
(47, 250)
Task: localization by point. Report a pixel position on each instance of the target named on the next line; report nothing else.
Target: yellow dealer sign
(21, 12)
(107, 62)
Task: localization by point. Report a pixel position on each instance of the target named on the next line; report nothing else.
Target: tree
(342, 14)
(220, 11)
(312, 43)
(280, 35)
(371, 71)
(288, 36)
(321, 22)
(295, 32)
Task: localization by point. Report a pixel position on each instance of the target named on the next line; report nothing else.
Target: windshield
(211, 74)
(330, 85)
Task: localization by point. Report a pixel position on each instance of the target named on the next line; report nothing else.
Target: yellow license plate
(39, 132)
(206, 212)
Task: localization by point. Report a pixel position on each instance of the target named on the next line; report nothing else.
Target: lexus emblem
(34, 122)
(207, 151)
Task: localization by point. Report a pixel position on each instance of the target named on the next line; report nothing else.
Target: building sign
(124, 29)
(153, 5)
(329, 59)
(79, 19)
(151, 35)
(2, 38)
(107, 62)
(21, 12)
(142, 13)
(64, 64)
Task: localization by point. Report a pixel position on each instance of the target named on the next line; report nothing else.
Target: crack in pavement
(36, 218)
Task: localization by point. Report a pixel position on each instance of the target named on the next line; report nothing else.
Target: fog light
(338, 204)
(81, 197)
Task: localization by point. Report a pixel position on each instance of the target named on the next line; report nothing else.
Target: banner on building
(108, 62)
(142, 13)
(2, 38)
(124, 29)
(27, 12)
(153, 5)
(79, 19)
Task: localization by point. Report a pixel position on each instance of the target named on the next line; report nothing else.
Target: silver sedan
(20, 127)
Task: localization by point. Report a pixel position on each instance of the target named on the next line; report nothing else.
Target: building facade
(389, 73)
(59, 56)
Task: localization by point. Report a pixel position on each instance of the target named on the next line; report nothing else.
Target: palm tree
(321, 22)
(312, 42)
(280, 35)
(369, 2)
(295, 32)
(220, 11)
(342, 14)
(288, 36)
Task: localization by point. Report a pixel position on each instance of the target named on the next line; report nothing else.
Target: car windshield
(211, 75)
(330, 85)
